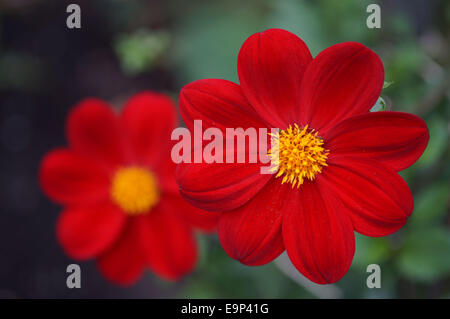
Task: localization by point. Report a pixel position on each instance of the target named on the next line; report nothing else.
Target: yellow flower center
(135, 190)
(298, 154)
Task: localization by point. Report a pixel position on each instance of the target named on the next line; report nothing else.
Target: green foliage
(387, 84)
(438, 143)
(380, 105)
(425, 255)
(208, 38)
(370, 250)
(217, 276)
(140, 50)
(431, 206)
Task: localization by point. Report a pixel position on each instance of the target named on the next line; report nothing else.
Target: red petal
(344, 80)
(252, 233)
(69, 178)
(376, 197)
(216, 186)
(219, 187)
(218, 103)
(85, 232)
(195, 217)
(392, 138)
(93, 130)
(270, 67)
(167, 242)
(319, 238)
(123, 263)
(148, 120)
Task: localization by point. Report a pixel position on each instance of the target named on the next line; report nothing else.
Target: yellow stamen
(298, 154)
(135, 190)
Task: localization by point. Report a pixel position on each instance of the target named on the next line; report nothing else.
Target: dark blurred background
(127, 46)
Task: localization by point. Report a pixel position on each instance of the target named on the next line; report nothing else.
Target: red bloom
(337, 161)
(122, 205)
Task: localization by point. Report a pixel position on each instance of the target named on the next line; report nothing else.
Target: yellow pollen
(135, 190)
(297, 154)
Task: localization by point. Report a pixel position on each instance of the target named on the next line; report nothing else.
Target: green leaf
(387, 84)
(437, 144)
(430, 205)
(207, 43)
(425, 255)
(370, 250)
(140, 50)
(380, 105)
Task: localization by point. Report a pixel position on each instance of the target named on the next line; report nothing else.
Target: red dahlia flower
(122, 204)
(337, 165)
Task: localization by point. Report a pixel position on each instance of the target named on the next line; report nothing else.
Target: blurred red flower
(121, 201)
(337, 165)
